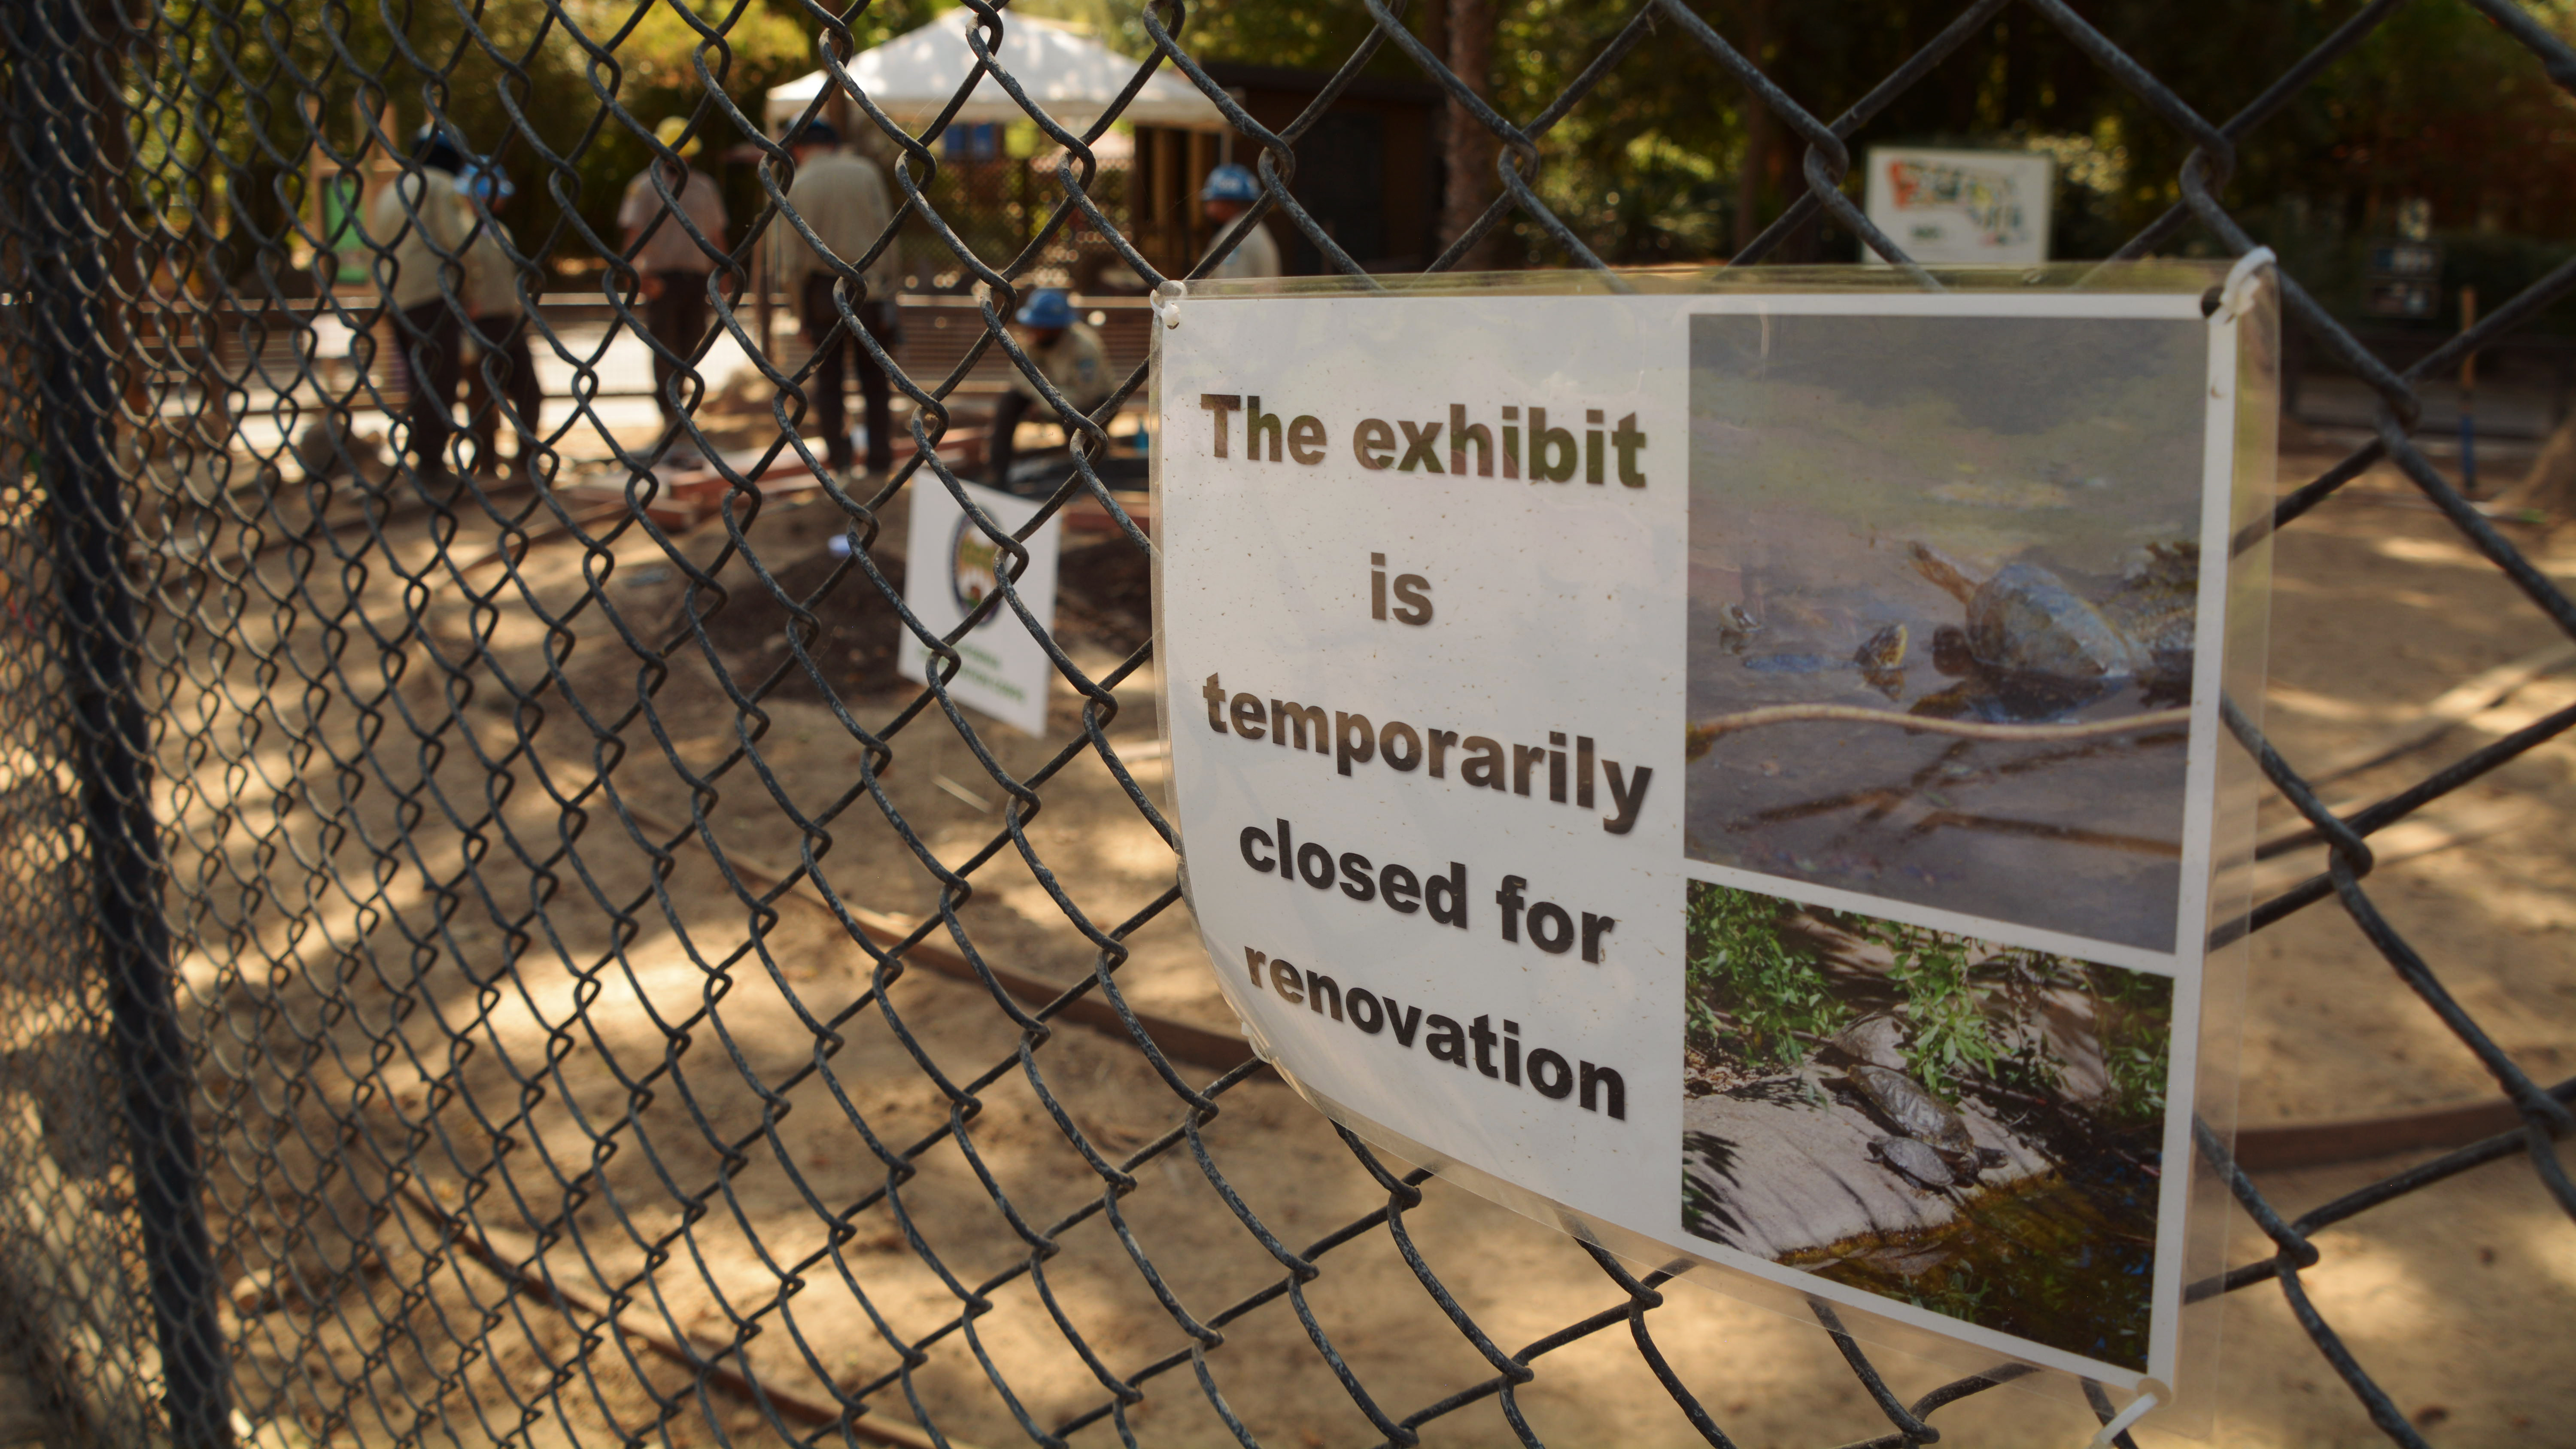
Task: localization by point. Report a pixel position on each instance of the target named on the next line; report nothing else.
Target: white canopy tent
(1075, 78)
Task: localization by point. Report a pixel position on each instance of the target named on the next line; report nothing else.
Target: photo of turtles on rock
(1949, 1122)
(1946, 593)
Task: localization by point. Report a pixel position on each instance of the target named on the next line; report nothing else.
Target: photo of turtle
(1969, 1128)
(1944, 582)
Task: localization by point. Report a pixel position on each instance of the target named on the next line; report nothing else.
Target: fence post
(73, 211)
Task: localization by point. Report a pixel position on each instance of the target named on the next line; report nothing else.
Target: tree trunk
(2021, 78)
(1468, 149)
(1758, 125)
(1750, 176)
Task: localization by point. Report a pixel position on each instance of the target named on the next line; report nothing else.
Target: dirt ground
(2379, 607)
(626, 1080)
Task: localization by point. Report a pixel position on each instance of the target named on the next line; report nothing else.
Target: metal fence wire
(497, 956)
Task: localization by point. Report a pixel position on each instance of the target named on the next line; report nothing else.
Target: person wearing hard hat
(674, 265)
(418, 223)
(1230, 192)
(499, 318)
(1071, 356)
(841, 196)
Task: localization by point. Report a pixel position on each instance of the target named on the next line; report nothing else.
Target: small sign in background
(2404, 279)
(949, 569)
(1961, 207)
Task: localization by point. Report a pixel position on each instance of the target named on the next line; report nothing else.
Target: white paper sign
(948, 569)
(1715, 772)
(1961, 207)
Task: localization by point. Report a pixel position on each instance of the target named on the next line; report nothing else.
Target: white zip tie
(2137, 1409)
(1167, 302)
(2243, 281)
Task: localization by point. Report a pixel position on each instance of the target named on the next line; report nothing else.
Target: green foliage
(1314, 35)
(1645, 169)
(1946, 1018)
(526, 78)
(2135, 1012)
(1745, 988)
(746, 48)
(1958, 1291)
(2015, 984)
(2439, 102)
(1970, 1010)
(1664, 161)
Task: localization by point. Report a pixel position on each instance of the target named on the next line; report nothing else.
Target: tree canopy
(1665, 161)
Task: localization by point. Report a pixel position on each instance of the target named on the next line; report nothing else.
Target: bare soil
(622, 1091)
(2379, 607)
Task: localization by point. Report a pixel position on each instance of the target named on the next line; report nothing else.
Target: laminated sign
(952, 562)
(1739, 774)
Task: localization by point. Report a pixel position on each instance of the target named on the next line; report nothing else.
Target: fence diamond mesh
(496, 956)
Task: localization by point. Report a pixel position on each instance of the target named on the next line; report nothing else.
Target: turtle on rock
(2034, 647)
(1737, 629)
(1927, 1126)
(1877, 1039)
(1931, 1147)
(1915, 1162)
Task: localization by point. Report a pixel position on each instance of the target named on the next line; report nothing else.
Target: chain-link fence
(497, 955)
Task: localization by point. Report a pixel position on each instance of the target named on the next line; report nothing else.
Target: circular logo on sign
(972, 563)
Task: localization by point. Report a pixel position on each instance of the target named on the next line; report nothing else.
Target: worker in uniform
(499, 321)
(1074, 361)
(418, 222)
(842, 196)
(1230, 192)
(674, 267)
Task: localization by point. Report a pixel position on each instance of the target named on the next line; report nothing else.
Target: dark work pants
(508, 354)
(677, 319)
(430, 340)
(1000, 444)
(816, 314)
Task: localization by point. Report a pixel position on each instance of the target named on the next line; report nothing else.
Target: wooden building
(1368, 170)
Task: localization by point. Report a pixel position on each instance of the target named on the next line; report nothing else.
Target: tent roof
(912, 76)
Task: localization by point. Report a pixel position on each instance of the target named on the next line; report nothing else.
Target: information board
(1948, 208)
(1734, 774)
(2403, 278)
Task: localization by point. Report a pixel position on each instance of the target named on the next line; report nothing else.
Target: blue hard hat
(1231, 183)
(431, 146)
(1046, 307)
(485, 182)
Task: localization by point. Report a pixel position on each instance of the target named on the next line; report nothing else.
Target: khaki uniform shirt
(1077, 364)
(842, 196)
(1257, 257)
(491, 282)
(669, 248)
(421, 218)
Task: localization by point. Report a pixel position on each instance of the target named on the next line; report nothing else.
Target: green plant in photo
(1957, 1293)
(2015, 985)
(2136, 1013)
(1949, 1037)
(1746, 991)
